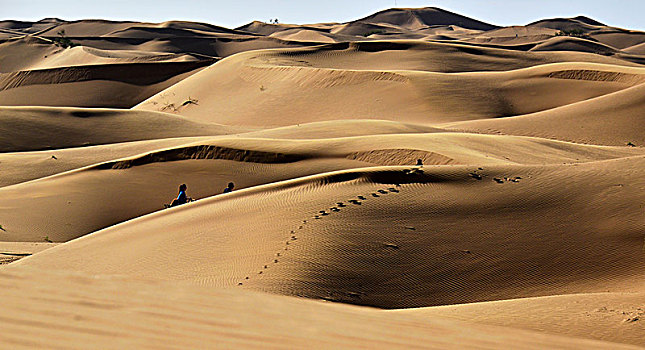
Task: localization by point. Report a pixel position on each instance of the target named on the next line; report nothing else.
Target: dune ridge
(39, 128)
(398, 188)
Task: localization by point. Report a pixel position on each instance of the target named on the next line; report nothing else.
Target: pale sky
(627, 14)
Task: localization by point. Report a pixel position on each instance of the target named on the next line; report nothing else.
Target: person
(419, 162)
(229, 188)
(182, 198)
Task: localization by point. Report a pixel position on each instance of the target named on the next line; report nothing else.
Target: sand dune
(24, 166)
(42, 54)
(603, 316)
(84, 312)
(419, 18)
(96, 28)
(582, 23)
(416, 258)
(75, 214)
(614, 119)
(341, 128)
(207, 167)
(112, 85)
(307, 35)
(285, 88)
(523, 228)
(620, 39)
(574, 44)
(24, 27)
(38, 128)
(638, 49)
(91, 27)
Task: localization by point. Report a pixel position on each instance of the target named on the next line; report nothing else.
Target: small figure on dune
(229, 188)
(182, 198)
(417, 168)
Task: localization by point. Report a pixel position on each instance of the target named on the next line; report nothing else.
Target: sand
(523, 228)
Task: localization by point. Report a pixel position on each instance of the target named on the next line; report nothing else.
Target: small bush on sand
(572, 32)
(63, 41)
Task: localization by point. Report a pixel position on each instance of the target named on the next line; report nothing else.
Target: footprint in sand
(336, 209)
(475, 176)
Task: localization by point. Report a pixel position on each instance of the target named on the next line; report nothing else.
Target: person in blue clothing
(229, 188)
(182, 198)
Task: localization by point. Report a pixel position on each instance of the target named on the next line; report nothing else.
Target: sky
(620, 13)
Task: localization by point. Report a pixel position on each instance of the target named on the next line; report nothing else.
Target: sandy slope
(111, 85)
(173, 45)
(24, 166)
(614, 119)
(38, 128)
(13, 251)
(126, 190)
(72, 311)
(606, 316)
(30, 53)
(403, 82)
(401, 246)
(34, 70)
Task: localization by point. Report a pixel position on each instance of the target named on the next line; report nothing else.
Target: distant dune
(414, 178)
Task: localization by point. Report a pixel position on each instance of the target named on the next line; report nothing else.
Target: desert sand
(523, 228)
